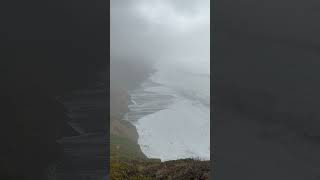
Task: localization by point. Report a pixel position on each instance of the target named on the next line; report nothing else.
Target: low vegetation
(122, 148)
(183, 169)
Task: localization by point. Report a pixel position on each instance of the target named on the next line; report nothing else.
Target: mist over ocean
(171, 111)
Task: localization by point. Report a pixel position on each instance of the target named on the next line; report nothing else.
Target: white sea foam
(172, 115)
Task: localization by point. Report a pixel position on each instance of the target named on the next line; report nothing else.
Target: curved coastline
(156, 103)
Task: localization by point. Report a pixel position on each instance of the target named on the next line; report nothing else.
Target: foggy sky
(160, 29)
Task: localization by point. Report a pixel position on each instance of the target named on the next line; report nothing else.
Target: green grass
(122, 148)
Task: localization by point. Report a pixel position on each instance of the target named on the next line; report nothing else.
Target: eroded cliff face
(125, 75)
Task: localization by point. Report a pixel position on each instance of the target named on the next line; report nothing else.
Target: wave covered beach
(171, 111)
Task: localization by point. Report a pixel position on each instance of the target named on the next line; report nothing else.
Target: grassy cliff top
(152, 169)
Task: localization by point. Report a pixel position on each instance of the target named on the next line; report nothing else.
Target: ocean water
(171, 111)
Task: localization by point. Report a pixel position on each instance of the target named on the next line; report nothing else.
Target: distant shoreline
(125, 76)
